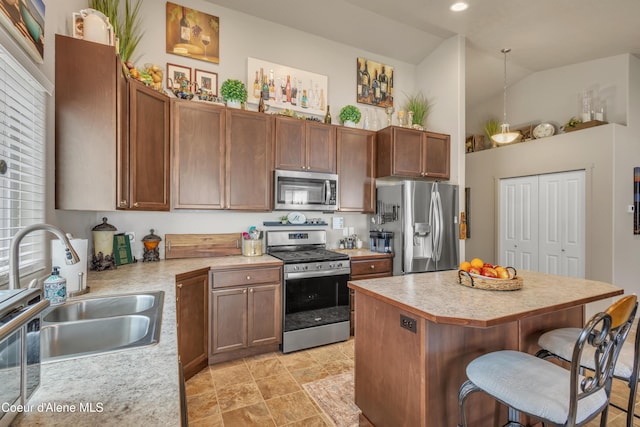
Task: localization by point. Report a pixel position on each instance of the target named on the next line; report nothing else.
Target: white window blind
(22, 143)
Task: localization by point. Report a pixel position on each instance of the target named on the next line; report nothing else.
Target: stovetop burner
(292, 256)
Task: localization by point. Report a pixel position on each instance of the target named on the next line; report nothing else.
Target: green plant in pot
(127, 27)
(234, 92)
(420, 105)
(491, 127)
(350, 115)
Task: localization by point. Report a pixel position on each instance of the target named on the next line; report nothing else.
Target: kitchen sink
(95, 308)
(99, 325)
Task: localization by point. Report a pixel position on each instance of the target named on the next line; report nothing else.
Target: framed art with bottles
(375, 83)
(192, 33)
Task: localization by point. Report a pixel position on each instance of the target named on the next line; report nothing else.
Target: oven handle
(322, 273)
(327, 192)
(25, 315)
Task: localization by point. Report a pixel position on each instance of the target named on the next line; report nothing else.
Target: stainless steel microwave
(310, 191)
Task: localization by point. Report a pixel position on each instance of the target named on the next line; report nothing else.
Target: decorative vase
(350, 124)
(232, 103)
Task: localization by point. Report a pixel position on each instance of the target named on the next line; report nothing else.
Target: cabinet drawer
(371, 266)
(223, 279)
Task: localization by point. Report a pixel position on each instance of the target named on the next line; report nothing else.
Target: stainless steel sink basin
(98, 325)
(95, 308)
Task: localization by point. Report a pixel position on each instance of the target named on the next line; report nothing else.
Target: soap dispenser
(55, 287)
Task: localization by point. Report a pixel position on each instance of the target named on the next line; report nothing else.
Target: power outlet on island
(408, 323)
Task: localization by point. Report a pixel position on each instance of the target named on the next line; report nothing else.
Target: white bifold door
(542, 223)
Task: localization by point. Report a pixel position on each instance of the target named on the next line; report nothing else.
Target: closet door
(518, 240)
(562, 223)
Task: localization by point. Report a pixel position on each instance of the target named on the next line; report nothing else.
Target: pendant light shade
(505, 136)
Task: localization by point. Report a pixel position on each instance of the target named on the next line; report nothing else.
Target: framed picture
(375, 83)
(207, 80)
(288, 88)
(192, 33)
(24, 20)
(174, 73)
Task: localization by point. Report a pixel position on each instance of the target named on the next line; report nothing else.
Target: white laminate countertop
(439, 298)
(139, 386)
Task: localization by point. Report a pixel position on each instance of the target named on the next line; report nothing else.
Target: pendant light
(505, 136)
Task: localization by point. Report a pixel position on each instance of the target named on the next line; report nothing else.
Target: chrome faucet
(14, 255)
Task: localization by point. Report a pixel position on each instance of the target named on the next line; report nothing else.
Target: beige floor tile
(339, 366)
(202, 405)
(224, 365)
(315, 421)
(297, 360)
(277, 385)
(232, 375)
(238, 395)
(307, 375)
(212, 421)
(261, 368)
(291, 408)
(199, 383)
(256, 415)
(326, 354)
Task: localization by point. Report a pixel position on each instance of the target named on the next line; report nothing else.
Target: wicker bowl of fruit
(480, 275)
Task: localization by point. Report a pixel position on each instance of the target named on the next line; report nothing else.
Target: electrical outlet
(408, 323)
(131, 235)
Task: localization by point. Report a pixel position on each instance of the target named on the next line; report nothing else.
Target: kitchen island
(415, 335)
(138, 386)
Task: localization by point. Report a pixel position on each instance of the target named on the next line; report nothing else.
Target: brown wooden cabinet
(246, 315)
(356, 169)
(198, 141)
(303, 145)
(411, 153)
(149, 150)
(367, 267)
(249, 161)
(112, 133)
(192, 320)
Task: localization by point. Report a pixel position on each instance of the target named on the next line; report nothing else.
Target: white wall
(554, 95)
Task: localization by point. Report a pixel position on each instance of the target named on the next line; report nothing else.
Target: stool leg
(633, 388)
(465, 390)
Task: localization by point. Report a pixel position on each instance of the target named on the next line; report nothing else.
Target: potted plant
(234, 92)
(420, 105)
(284, 219)
(127, 27)
(350, 115)
(491, 127)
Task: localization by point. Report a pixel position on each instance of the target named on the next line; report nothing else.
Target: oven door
(315, 301)
(305, 191)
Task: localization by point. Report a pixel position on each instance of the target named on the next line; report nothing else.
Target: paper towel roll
(71, 272)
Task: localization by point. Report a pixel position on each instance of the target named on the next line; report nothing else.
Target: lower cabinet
(368, 268)
(246, 312)
(192, 320)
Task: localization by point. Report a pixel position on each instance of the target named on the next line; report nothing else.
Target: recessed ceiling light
(459, 6)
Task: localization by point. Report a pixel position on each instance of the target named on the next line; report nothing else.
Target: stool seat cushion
(532, 385)
(561, 342)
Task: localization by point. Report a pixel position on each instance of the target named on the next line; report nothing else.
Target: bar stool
(548, 392)
(557, 344)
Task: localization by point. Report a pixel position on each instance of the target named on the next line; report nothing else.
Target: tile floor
(267, 390)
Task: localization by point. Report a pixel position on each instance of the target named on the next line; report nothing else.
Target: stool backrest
(606, 332)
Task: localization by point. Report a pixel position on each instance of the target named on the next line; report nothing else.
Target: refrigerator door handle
(439, 233)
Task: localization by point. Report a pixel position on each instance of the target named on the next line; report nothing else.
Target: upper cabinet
(198, 141)
(410, 153)
(304, 145)
(249, 161)
(112, 134)
(356, 169)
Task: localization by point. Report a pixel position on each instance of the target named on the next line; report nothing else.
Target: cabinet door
(321, 147)
(198, 140)
(249, 165)
(290, 151)
(355, 165)
(437, 159)
(408, 153)
(228, 320)
(265, 319)
(192, 318)
(148, 148)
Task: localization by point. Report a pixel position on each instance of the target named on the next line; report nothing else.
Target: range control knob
(339, 265)
(318, 266)
(332, 266)
(306, 267)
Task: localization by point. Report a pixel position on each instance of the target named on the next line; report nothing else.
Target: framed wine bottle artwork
(374, 83)
(192, 33)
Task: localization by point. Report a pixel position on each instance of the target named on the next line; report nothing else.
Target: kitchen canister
(55, 287)
(76, 274)
(103, 246)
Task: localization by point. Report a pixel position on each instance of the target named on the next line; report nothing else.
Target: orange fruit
(465, 265)
(477, 262)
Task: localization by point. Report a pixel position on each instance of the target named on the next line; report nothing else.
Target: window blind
(22, 144)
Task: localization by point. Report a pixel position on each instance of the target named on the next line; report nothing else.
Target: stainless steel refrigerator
(423, 217)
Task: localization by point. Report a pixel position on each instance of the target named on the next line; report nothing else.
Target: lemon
(465, 265)
(477, 262)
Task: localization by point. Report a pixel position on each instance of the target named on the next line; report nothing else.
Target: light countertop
(139, 386)
(439, 298)
(362, 253)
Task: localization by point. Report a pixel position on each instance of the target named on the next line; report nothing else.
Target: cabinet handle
(123, 203)
(250, 291)
(308, 167)
(372, 266)
(180, 284)
(135, 205)
(248, 277)
(303, 167)
(244, 291)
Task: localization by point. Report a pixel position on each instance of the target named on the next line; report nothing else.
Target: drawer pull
(372, 266)
(251, 291)
(179, 285)
(248, 277)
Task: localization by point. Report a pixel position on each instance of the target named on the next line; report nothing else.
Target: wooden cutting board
(202, 245)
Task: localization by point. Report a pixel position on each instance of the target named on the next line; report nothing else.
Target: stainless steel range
(315, 294)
